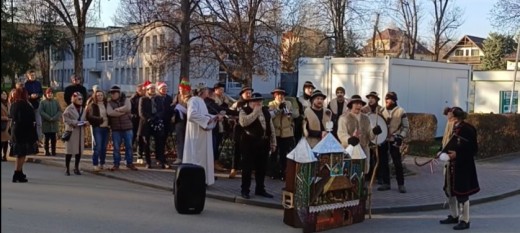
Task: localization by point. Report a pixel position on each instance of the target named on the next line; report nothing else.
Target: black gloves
(398, 140)
(282, 106)
(353, 141)
(377, 130)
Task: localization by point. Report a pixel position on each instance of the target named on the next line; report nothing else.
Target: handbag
(66, 135)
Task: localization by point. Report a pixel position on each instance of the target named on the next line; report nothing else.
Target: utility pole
(514, 75)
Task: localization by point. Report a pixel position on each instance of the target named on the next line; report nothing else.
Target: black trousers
(140, 143)
(52, 138)
(217, 140)
(160, 143)
(255, 153)
(386, 151)
(278, 160)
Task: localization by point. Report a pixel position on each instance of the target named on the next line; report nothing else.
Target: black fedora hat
(373, 94)
(245, 89)
(256, 97)
(391, 95)
(317, 93)
(355, 99)
(219, 85)
(278, 90)
(308, 84)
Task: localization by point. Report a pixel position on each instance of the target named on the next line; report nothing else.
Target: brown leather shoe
(232, 174)
(131, 167)
(219, 167)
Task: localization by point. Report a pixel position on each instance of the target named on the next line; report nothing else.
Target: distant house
(302, 42)
(394, 43)
(469, 50)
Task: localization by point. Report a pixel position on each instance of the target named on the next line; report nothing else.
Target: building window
(162, 40)
(154, 74)
(88, 51)
(134, 76)
(147, 73)
(116, 52)
(141, 75)
(474, 52)
(154, 44)
(105, 51)
(92, 54)
(147, 44)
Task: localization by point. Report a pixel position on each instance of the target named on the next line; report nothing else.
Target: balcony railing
(469, 60)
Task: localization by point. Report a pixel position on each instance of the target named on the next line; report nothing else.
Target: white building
(112, 57)
(493, 91)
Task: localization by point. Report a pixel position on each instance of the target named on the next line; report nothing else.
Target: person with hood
(198, 147)
(338, 106)
(303, 102)
(50, 112)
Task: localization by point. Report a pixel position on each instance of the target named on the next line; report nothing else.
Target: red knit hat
(147, 84)
(185, 84)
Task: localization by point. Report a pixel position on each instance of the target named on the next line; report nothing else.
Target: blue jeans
(117, 136)
(100, 145)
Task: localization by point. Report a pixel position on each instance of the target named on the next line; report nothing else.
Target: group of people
(201, 118)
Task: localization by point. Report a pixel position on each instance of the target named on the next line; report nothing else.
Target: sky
(476, 16)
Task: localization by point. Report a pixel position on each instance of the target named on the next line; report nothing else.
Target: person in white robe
(198, 145)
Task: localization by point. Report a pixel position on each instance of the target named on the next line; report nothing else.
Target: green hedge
(497, 134)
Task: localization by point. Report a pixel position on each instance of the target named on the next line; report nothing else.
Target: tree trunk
(185, 40)
(78, 53)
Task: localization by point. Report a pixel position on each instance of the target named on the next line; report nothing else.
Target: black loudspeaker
(189, 189)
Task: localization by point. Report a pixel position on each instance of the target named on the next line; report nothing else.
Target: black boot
(53, 147)
(461, 226)
(68, 157)
(19, 177)
(46, 148)
(76, 164)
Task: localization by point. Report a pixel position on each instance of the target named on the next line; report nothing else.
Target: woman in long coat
(50, 112)
(24, 136)
(74, 120)
(5, 136)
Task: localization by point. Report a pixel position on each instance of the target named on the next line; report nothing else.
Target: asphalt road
(52, 202)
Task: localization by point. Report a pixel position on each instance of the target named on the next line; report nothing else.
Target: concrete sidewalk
(499, 178)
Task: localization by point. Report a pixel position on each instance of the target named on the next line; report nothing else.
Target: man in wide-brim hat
(258, 138)
(315, 119)
(283, 118)
(372, 106)
(354, 128)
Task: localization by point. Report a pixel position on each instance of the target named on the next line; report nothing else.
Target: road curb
(237, 199)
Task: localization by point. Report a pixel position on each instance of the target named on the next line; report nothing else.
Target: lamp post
(514, 75)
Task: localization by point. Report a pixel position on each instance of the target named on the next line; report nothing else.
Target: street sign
(505, 98)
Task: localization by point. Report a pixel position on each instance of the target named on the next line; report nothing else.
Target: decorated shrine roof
(328, 145)
(302, 153)
(355, 152)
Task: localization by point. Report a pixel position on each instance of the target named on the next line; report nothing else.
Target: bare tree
(408, 11)
(74, 14)
(44, 24)
(447, 18)
(242, 36)
(506, 15)
(302, 35)
(173, 14)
